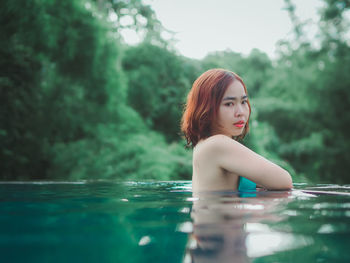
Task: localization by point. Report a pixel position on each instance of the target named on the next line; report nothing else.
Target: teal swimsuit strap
(245, 185)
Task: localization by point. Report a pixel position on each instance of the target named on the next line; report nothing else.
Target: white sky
(204, 26)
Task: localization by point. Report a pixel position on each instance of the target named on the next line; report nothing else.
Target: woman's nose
(239, 110)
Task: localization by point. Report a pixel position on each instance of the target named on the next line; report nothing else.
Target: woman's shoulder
(214, 144)
(217, 140)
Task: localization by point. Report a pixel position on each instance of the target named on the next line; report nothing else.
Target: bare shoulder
(215, 145)
(218, 143)
(225, 153)
(218, 138)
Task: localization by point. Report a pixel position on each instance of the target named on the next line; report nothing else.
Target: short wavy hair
(203, 103)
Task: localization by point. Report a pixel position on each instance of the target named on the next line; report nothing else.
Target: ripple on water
(153, 221)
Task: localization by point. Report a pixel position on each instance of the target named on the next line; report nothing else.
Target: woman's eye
(229, 104)
(244, 102)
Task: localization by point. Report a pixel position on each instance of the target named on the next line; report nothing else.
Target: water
(161, 222)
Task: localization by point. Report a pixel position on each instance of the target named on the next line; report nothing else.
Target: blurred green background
(78, 103)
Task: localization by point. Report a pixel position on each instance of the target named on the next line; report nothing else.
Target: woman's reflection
(220, 220)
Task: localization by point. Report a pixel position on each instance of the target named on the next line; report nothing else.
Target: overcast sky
(204, 26)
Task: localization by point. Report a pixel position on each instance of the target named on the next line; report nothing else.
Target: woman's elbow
(287, 181)
(282, 182)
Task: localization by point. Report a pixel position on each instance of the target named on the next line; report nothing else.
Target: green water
(162, 222)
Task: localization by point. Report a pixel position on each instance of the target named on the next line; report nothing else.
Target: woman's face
(233, 112)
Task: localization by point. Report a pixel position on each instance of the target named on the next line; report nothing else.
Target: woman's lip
(239, 124)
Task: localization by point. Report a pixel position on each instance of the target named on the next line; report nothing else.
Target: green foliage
(157, 86)
(126, 157)
(63, 94)
(75, 104)
(306, 100)
(254, 69)
(52, 65)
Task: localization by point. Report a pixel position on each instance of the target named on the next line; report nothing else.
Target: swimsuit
(246, 188)
(245, 185)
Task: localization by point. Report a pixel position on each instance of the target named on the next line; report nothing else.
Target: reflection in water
(303, 225)
(107, 221)
(230, 228)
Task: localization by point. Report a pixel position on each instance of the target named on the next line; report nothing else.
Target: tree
(306, 100)
(59, 78)
(157, 86)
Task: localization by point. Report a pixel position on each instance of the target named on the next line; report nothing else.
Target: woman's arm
(234, 157)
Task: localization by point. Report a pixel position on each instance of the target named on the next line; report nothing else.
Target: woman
(215, 118)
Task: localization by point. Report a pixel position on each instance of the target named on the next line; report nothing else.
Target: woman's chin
(236, 134)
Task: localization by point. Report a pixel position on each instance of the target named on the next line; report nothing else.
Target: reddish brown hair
(203, 103)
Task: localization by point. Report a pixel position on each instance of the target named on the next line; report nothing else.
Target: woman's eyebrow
(235, 98)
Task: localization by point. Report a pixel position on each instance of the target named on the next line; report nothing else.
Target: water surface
(111, 221)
